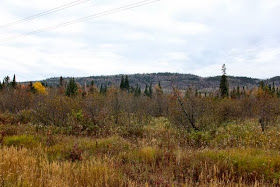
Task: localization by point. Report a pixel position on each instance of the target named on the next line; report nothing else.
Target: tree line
(104, 106)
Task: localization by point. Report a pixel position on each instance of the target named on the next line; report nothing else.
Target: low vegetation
(86, 136)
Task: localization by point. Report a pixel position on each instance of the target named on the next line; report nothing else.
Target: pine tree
(91, 88)
(224, 83)
(14, 83)
(146, 93)
(72, 88)
(6, 81)
(122, 83)
(137, 91)
(103, 89)
(273, 88)
(61, 81)
(126, 83)
(160, 88)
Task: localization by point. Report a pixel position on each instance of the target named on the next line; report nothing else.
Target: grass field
(155, 154)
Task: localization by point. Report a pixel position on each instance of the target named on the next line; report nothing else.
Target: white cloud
(168, 36)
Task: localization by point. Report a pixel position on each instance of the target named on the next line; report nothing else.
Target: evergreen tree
(6, 81)
(146, 93)
(224, 83)
(160, 88)
(61, 81)
(91, 88)
(137, 91)
(122, 83)
(103, 89)
(126, 83)
(273, 88)
(14, 83)
(72, 88)
(1, 86)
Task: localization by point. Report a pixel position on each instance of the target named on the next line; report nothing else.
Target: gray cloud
(177, 36)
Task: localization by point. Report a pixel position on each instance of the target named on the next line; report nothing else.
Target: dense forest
(132, 132)
(181, 81)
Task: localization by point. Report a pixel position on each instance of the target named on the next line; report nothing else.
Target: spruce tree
(61, 81)
(14, 83)
(103, 89)
(160, 88)
(91, 88)
(224, 91)
(137, 91)
(122, 83)
(146, 93)
(72, 88)
(126, 83)
(6, 81)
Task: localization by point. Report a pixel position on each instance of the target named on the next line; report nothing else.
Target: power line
(65, 6)
(112, 11)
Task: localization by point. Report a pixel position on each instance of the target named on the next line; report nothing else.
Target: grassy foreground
(155, 154)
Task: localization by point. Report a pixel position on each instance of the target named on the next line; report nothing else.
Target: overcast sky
(183, 36)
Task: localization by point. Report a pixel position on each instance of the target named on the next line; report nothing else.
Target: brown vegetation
(117, 138)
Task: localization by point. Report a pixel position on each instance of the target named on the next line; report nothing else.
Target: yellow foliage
(39, 88)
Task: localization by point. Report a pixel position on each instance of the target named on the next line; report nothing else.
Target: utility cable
(101, 14)
(62, 7)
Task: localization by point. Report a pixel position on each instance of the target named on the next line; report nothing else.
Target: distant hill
(181, 81)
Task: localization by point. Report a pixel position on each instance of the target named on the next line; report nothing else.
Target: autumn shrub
(55, 110)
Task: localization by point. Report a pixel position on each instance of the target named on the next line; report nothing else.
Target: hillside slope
(181, 81)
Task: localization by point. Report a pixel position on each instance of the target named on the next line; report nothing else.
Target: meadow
(117, 138)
